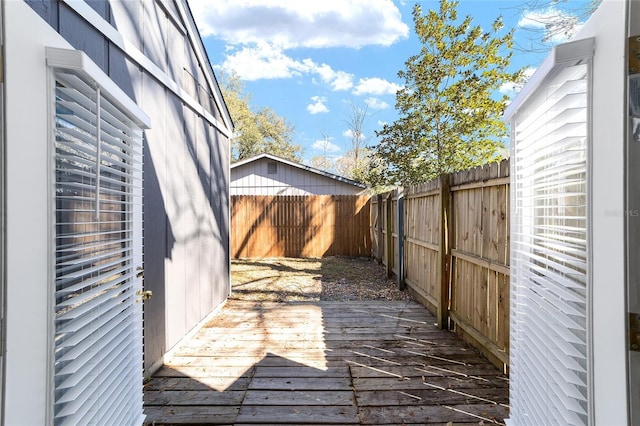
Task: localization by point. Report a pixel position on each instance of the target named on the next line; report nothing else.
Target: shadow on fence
(299, 226)
(454, 252)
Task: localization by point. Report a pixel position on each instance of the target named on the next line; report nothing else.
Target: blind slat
(98, 324)
(549, 254)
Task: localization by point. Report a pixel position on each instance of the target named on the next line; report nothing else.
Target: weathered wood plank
(300, 383)
(299, 374)
(190, 384)
(401, 383)
(299, 397)
(342, 415)
(453, 370)
(212, 415)
(196, 372)
(193, 397)
(432, 396)
(320, 340)
(301, 371)
(429, 414)
(342, 353)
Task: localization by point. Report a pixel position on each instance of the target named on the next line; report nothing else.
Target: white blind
(98, 199)
(549, 256)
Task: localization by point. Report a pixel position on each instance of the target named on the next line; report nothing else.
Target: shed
(115, 165)
(575, 236)
(266, 174)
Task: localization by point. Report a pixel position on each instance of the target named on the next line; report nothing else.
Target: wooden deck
(325, 363)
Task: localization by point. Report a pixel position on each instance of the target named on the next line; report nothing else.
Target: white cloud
(294, 23)
(382, 123)
(263, 61)
(325, 145)
(338, 80)
(375, 103)
(512, 87)
(557, 26)
(318, 105)
(266, 61)
(375, 86)
(349, 134)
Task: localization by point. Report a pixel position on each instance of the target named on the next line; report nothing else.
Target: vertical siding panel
(83, 36)
(154, 30)
(190, 206)
(156, 226)
(175, 200)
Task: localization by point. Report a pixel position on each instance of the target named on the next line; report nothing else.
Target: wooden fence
(454, 251)
(300, 226)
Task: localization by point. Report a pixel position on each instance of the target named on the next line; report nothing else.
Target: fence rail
(454, 251)
(300, 226)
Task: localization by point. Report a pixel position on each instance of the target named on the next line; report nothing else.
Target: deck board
(382, 363)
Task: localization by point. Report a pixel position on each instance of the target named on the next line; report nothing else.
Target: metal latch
(634, 332)
(144, 295)
(140, 273)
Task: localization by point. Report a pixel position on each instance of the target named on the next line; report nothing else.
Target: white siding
(607, 174)
(253, 179)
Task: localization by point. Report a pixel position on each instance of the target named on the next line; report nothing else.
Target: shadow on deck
(343, 363)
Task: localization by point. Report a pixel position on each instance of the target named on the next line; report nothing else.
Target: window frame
(60, 60)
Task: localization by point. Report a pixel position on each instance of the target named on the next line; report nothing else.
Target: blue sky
(310, 60)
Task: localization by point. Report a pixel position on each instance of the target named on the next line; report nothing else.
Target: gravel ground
(330, 278)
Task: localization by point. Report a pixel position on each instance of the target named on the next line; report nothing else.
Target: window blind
(98, 199)
(550, 251)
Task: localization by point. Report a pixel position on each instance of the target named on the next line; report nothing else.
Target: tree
(547, 24)
(449, 115)
(354, 165)
(355, 162)
(322, 161)
(256, 132)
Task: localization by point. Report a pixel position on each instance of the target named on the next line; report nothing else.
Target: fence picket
(462, 272)
(300, 226)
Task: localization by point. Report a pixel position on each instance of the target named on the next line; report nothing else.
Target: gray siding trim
(201, 53)
(172, 15)
(92, 17)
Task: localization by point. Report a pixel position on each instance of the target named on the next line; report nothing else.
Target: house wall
(27, 214)
(147, 48)
(254, 179)
(609, 110)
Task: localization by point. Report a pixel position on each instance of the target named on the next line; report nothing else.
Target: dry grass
(330, 278)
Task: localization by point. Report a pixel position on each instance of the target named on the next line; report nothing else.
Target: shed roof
(299, 166)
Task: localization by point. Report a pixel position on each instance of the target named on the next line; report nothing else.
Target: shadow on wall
(199, 200)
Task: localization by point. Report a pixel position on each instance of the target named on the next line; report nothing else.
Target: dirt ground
(330, 278)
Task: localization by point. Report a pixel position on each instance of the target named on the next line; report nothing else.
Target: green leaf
(449, 118)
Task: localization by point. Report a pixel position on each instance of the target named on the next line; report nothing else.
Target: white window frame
(564, 56)
(58, 59)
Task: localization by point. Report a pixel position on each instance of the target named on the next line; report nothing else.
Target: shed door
(98, 248)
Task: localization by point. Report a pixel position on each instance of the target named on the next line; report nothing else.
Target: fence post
(389, 239)
(401, 283)
(443, 250)
(380, 230)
